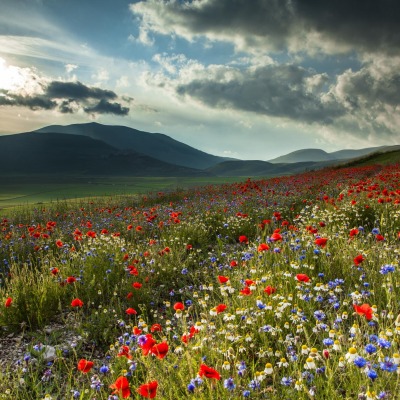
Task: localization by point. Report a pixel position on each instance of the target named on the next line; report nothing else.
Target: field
(281, 288)
(17, 191)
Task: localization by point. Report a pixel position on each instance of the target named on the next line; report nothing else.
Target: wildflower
(130, 311)
(351, 354)
(388, 365)
(358, 259)
(262, 247)
(160, 350)
(208, 372)
(321, 242)
(360, 362)
(179, 306)
(85, 366)
(370, 348)
(124, 351)
(148, 390)
(121, 386)
(156, 328)
(372, 374)
(364, 309)
(77, 303)
(243, 239)
(223, 279)
(385, 269)
(302, 278)
(8, 302)
(310, 363)
(269, 290)
(229, 384)
(136, 285)
(276, 237)
(268, 370)
(220, 308)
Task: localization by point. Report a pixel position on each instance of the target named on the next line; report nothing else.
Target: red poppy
(54, 271)
(160, 350)
(59, 243)
(269, 290)
(364, 309)
(179, 306)
(148, 390)
(354, 232)
(233, 263)
(263, 247)
(379, 238)
(136, 285)
(246, 291)
(223, 279)
(130, 311)
(275, 237)
(85, 366)
(243, 239)
(8, 302)
(121, 386)
(71, 279)
(91, 234)
(302, 278)
(76, 303)
(358, 259)
(124, 351)
(156, 328)
(148, 344)
(321, 242)
(208, 372)
(220, 308)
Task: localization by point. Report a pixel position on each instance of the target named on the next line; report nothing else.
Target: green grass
(25, 190)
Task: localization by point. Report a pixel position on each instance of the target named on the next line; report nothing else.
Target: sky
(250, 79)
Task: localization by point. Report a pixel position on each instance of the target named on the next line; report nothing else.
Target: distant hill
(261, 168)
(318, 155)
(36, 153)
(155, 145)
(388, 155)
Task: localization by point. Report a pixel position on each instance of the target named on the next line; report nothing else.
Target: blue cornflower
(360, 362)
(385, 269)
(254, 384)
(375, 231)
(372, 374)
(184, 271)
(104, 369)
(373, 338)
(246, 393)
(286, 381)
(383, 343)
(191, 387)
(328, 342)
(370, 348)
(388, 365)
(229, 384)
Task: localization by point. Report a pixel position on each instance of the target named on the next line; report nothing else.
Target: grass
(25, 190)
(279, 288)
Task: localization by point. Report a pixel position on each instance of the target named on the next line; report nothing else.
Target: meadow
(280, 288)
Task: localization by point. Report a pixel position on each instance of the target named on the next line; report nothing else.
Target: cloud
(67, 98)
(105, 107)
(77, 91)
(294, 25)
(285, 91)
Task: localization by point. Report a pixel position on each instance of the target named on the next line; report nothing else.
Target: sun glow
(11, 78)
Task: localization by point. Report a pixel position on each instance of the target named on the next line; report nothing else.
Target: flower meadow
(283, 288)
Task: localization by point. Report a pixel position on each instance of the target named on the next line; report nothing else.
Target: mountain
(35, 153)
(318, 155)
(155, 145)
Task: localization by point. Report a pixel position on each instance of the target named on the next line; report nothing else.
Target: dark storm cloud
(67, 98)
(105, 107)
(367, 25)
(285, 91)
(77, 91)
(32, 102)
